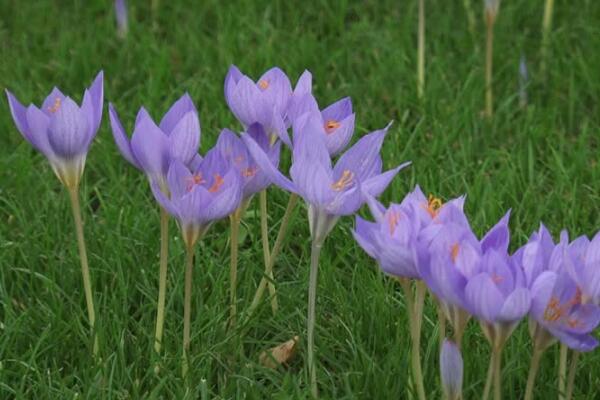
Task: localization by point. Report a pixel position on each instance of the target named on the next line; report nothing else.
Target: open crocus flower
(330, 191)
(234, 150)
(557, 307)
(450, 255)
(497, 295)
(583, 264)
(62, 130)
(151, 148)
(211, 191)
(392, 238)
(337, 120)
(264, 102)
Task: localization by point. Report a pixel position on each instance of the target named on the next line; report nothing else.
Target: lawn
(540, 161)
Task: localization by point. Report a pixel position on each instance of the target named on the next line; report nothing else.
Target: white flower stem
(533, 370)
(421, 51)
(235, 220)
(312, 299)
(162, 279)
(546, 27)
(562, 371)
(489, 58)
(415, 316)
(572, 372)
(187, 306)
(264, 230)
(85, 271)
(285, 221)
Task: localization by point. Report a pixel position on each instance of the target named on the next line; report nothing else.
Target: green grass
(542, 162)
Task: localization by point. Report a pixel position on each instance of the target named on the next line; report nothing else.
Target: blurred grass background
(542, 162)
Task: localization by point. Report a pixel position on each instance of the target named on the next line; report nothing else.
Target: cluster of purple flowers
(199, 190)
(556, 284)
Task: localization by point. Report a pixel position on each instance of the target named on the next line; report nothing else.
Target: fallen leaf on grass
(280, 354)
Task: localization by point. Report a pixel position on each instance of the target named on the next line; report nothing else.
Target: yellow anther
(393, 218)
(219, 181)
(54, 108)
(249, 172)
(195, 179)
(434, 204)
(553, 310)
(263, 84)
(344, 181)
(454, 251)
(331, 125)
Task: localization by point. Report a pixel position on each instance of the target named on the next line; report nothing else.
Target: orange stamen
(263, 84)
(553, 310)
(393, 218)
(331, 125)
(344, 181)
(573, 323)
(249, 172)
(54, 108)
(454, 251)
(497, 278)
(195, 179)
(219, 181)
(433, 206)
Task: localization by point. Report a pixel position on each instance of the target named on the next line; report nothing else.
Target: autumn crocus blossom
(582, 261)
(392, 238)
(558, 311)
(62, 130)
(264, 102)
(330, 191)
(234, 150)
(152, 147)
(198, 197)
(337, 120)
(211, 191)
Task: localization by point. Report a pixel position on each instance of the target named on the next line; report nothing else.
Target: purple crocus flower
(583, 264)
(198, 197)
(62, 130)
(337, 120)
(451, 370)
(330, 191)
(151, 148)
(557, 307)
(391, 239)
(264, 102)
(450, 255)
(234, 150)
(497, 295)
(121, 14)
